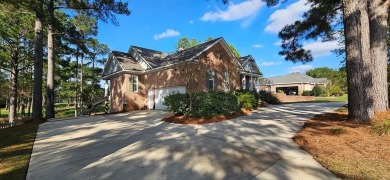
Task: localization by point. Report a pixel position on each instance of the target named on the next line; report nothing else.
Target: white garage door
(160, 93)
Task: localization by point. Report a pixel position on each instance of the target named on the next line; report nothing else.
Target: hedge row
(205, 104)
(212, 103)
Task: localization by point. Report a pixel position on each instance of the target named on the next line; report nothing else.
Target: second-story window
(226, 81)
(134, 82)
(211, 79)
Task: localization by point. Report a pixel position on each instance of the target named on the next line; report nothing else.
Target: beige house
(141, 78)
(291, 84)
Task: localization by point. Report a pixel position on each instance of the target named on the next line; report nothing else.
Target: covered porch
(250, 81)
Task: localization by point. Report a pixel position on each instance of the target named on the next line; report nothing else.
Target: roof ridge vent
(180, 49)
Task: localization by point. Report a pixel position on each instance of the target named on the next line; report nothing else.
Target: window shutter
(215, 82)
(207, 80)
(129, 84)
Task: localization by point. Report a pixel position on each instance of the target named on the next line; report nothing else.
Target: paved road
(137, 145)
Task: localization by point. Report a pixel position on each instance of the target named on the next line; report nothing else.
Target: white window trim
(134, 79)
(211, 72)
(226, 81)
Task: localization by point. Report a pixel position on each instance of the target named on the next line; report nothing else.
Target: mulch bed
(350, 150)
(181, 119)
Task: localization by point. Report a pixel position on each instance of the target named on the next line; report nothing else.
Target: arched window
(211, 79)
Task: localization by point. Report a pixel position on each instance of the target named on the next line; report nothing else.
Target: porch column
(106, 89)
(257, 84)
(243, 82)
(251, 83)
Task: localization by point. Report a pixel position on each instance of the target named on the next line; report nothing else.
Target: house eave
(105, 77)
(291, 83)
(146, 71)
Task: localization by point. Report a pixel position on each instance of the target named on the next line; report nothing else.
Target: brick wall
(193, 74)
(285, 98)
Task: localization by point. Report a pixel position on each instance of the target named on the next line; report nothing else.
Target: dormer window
(248, 67)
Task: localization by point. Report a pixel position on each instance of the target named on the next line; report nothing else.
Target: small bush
(247, 101)
(268, 97)
(252, 98)
(280, 91)
(317, 90)
(176, 103)
(382, 127)
(341, 93)
(306, 93)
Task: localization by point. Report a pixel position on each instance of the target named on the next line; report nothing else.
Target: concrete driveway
(137, 145)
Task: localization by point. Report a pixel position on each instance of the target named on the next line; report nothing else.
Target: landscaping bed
(183, 119)
(348, 149)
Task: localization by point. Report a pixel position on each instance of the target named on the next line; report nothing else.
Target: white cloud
(166, 34)
(246, 9)
(289, 15)
(278, 43)
(257, 46)
(300, 68)
(319, 48)
(191, 22)
(270, 63)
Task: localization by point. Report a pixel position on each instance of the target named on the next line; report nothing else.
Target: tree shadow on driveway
(137, 145)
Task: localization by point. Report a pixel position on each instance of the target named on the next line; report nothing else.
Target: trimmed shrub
(176, 103)
(268, 97)
(247, 101)
(317, 90)
(306, 93)
(280, 91)
(251, 98)
(213, 103)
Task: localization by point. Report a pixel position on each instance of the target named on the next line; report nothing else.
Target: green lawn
(343, 98)
(61, 109)
(15, 150)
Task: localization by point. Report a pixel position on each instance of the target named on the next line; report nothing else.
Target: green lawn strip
(343, 98)
(15, 150)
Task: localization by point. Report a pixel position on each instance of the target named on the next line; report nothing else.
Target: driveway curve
(137, 145)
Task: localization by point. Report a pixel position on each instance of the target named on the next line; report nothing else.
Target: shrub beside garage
(205, 104)
(214, 103)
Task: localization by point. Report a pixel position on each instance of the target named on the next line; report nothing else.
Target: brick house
(291, 84)
(141, 78)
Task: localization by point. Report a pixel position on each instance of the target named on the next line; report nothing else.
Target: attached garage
(156, 96)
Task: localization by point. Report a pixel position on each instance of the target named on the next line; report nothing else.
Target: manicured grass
(343, 98)
(348, 149)
(64, 112)
(15, 150)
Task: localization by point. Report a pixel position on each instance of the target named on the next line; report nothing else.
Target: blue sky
(249, 25)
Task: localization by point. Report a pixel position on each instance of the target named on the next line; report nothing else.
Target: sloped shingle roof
(255, 69)
(157, 58)
(295, 77)
(127, 61)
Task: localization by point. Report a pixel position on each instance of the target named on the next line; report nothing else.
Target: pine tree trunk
(50, 64)
(38, 64)
(81, 83)
(76, 83)
(29, 106)
(13, 93)
(377, 10)
(358, 62)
